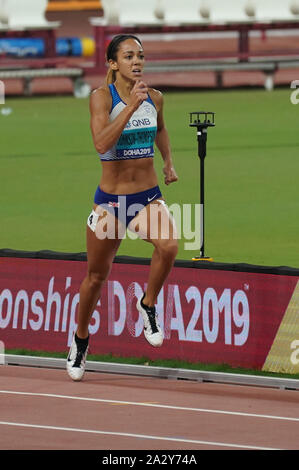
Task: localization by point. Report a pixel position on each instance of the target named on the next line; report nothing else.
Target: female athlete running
(126, 121)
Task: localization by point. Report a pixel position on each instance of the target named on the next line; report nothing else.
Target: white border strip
(151, 405)
(160, 372)
(216, 35)
(138, 436)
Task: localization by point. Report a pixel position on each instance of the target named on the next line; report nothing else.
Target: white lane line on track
(138, 436)
(154, 405)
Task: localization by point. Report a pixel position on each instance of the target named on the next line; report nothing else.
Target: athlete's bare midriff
(128, 176)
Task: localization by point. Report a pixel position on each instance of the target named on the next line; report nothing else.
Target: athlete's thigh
(155, 224)
(102, 249)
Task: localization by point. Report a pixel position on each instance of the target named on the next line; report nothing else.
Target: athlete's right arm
(105, 133)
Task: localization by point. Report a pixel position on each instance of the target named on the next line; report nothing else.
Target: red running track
(43, 409)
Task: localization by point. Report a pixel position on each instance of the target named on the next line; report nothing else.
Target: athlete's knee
(172, 248)
(168, 248)
(97, 278)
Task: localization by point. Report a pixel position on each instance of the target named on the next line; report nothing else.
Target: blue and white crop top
(137, 138)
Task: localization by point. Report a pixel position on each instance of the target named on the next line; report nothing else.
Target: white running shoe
(75, 364)
(152, 329)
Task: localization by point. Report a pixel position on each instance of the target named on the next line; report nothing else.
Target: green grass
(50, 170)
(168, 363)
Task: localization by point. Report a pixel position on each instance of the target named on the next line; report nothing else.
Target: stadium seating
(111, 12)
(16, 15)
(294, 6)
(2, 14)
(179, 13)
(81, 89)
(232, 11)
(130, 13)
(275, 10)
(192, 12)
(138, 13)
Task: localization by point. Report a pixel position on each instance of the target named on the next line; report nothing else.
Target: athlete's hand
(169, 174)
(139, 94)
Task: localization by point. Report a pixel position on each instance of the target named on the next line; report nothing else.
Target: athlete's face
(130, 60)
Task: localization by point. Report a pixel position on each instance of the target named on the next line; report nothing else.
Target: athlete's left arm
(162, 139)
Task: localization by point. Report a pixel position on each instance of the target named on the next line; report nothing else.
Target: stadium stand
(110, 14)
(275, 10)
(175, 18)
(161, 21)
(175, 14)
(248, 11)
(2, 14)
(23, 20)
(80, 88)
(234, 11)
(144, 13)
(32, 15)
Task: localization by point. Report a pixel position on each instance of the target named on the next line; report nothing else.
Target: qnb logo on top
(138, 123)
